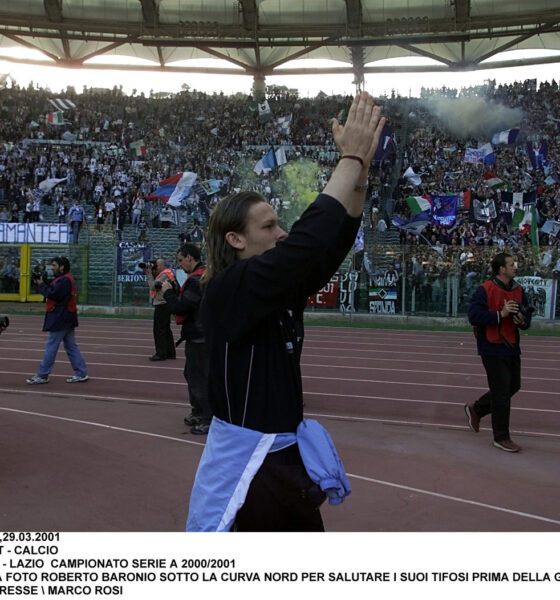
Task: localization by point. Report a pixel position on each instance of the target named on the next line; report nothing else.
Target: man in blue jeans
(60, 321)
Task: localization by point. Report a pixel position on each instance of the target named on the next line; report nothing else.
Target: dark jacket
(60, 318)
(482, 317)
(187, 304)
(252, 314)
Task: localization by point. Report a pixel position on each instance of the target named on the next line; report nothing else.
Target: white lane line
(103, 426)
(408, 488)
(66, 395)
(438, 385)
(424, 424)
(330, 366)
(183, 383)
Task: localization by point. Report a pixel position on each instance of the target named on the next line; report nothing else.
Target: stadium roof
(267, 37)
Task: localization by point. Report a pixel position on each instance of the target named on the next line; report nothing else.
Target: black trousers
(281, 497)
(504, 380)
(163, 338)
(196, 375)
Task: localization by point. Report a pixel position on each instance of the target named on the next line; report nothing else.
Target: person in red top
(61, 319)
(498, 309)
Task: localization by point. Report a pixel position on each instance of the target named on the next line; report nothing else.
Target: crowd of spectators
(210, 134)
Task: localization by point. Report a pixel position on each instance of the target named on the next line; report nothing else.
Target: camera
(147, 265)
(158, 285)
(4, 322)
(526, 311)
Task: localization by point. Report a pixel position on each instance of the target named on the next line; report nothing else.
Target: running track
(112, 454)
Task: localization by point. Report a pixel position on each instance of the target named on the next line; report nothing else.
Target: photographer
(156, 274)
(184, 304)
(4, 322)
(60, 321)
(498, 309)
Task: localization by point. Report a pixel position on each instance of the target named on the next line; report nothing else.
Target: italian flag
(56, 118)
(529, 225)
(494, 182)
(138, 148)
(418, 204)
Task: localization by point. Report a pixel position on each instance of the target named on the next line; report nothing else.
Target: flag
(160, 132)
(418, 204)
(68, 136)
(537, 153)
(387, 145)
(271, 160)
(529, 224)
(483, 210)
(493, 182)
(182, 189)
(138, 147)
(467, 199)
(173, 189)
(56, 118)
(62, 104)
(265, 113)
(489, 158)
(444, 210)
(551, 179)
(551, 227)
(412, 177)
(48, 184)
(415, 225)
(473, 155)
(283, 124)
(214, 131)
(505, 137)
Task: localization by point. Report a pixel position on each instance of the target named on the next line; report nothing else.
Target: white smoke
(473, 117)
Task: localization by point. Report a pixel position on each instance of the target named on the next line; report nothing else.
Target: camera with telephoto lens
(4, 322)
(147, 265)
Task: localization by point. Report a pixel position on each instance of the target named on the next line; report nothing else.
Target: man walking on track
(264, 468)
(498, 309)
(60, 321)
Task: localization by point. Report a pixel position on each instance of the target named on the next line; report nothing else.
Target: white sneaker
(36, 379)
(77, 379)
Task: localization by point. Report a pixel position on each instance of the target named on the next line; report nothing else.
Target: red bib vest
(72, 305)
(180, 318)
(496, 296)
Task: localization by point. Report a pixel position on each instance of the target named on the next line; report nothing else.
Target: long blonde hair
(230, 214)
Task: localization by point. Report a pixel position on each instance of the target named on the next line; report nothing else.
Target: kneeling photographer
(185, 304)
(156, 274)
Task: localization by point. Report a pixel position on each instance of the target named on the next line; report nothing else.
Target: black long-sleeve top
(252, 315)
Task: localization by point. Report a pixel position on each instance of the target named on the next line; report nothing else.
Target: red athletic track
(112, 454)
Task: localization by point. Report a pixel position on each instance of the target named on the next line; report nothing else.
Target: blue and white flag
(415, 225)
(505, 137)
(538, 154)
(474, 155)
(488, 154)
(283, 124)
(270, 161)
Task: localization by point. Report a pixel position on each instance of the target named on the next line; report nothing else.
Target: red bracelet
(353, 157)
